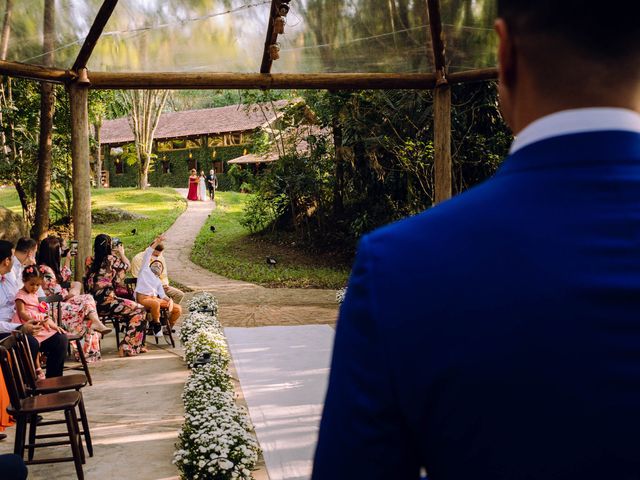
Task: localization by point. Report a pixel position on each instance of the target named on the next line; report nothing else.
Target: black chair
(25, 409)
(55, 314)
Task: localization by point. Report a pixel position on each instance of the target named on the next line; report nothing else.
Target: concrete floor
(135, 413)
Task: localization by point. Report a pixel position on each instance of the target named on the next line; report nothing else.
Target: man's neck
(21, 256)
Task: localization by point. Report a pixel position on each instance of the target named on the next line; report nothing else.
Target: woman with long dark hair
(108, 261)
(79, 312)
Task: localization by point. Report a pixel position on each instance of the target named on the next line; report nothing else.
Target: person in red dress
(193, 185)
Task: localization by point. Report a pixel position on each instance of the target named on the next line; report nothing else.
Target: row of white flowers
(340, 294)
(215, 442)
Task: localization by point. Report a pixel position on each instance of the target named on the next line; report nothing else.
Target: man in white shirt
(150, 291)
(55, 347)
(24, 255)
(157, 256)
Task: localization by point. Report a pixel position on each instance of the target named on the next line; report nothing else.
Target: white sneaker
(157, 330)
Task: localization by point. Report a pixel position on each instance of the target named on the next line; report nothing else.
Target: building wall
(178, 161)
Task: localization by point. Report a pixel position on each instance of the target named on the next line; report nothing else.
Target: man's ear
(507, 62)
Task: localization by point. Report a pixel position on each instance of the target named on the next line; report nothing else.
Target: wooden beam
(437, 37)
(94, 34)
(81, 178)
(333, 81)
(442, 143)
(265, 66)
(35, 72)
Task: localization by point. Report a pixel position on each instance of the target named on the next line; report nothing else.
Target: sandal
(40, 374)
(125, 353)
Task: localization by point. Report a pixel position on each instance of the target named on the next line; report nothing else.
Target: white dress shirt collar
(8, 291)
(581, 120)
(17, 269)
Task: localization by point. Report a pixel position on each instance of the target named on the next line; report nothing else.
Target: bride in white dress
(202, 188)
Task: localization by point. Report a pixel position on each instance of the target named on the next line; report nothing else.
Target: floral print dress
(101, 285)
(75, 312)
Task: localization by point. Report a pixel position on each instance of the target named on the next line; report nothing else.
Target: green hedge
(178, 167)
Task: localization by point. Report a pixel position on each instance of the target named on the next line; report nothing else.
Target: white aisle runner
(284, 372)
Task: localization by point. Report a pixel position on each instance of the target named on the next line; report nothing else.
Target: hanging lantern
(278, 25)
(274, 51)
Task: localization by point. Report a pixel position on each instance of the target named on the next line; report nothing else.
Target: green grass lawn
(9, 199)
(230, 251)
(161, 205)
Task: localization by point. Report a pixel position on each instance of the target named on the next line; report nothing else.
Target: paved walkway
(242, 304)
(135, 413)
(284, 373)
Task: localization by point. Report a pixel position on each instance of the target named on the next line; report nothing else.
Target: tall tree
(47, 107)
(99, 103)
(145, 107)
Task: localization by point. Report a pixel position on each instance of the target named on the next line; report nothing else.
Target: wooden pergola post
(442, 142)
(79, 97)
(441, 109)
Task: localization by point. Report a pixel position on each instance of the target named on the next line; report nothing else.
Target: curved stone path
(241, 304)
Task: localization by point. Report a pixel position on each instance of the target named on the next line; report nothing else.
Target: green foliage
(241, 178)
(372, 162)
(232, 252)
(20, 124)
(259, 213)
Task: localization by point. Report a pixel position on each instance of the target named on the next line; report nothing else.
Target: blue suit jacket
(497, 335)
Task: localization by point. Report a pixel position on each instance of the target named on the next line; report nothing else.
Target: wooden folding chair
(55, 313)
(35, 386)
(25, 408)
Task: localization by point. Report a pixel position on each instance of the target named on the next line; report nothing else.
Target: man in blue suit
(497, 335)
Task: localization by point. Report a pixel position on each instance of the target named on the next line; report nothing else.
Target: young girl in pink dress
(28, 307)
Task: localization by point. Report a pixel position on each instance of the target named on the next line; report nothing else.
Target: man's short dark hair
(605, 32)
(6, 249)
(159, 247)
(25, 244)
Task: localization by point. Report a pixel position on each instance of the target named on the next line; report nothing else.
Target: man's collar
(581, 120)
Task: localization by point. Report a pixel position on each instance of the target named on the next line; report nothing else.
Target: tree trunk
(145, 107)
(143, 179)
(78, 96)
(6, 29)
(47, 107)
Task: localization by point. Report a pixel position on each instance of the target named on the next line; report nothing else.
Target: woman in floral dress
(102, 269)
(79, 313)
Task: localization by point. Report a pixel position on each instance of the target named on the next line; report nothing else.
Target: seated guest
(56, 347)
(29, 308)
(157, 256)
(79, 314)
(107, 264)
(24, 254)
(150, 292)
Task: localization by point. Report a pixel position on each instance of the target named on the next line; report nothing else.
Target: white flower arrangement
(340, 294)
(203, 302)
(216, 442)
